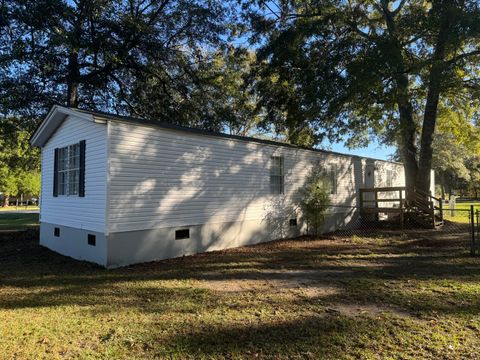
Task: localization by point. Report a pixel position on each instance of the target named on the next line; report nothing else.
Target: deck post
(472, 222)
(441, 209)
(402, 215)
(361, 205)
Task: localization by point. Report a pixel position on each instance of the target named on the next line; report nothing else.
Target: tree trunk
(6, 199)
(72, 79)
(408, 131)
(73, 76)
(408, 128)
(431, 106)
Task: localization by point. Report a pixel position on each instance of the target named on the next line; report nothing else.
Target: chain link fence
(460, 228)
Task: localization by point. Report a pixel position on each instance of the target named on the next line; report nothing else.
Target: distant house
(118, 190)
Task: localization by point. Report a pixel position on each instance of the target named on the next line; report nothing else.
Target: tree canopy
(89, 53)
(358, 69)
(221, 101)
(19, 163)
(322, 69)
(456, 149)
(132, 57)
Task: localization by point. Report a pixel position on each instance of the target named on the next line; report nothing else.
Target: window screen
(68, 170)
(389, 180)
(276, 175)
(332, 178)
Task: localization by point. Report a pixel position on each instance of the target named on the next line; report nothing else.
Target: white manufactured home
(118, 190)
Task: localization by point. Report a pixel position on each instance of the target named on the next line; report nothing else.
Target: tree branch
(354, 27)
(463, 56)
(399, 8)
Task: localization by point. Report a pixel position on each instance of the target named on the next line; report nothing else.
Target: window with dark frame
(277, 183)
(332, 178)
(69, 170)
(293, 222)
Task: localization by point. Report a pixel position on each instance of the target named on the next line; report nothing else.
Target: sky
(374, 150)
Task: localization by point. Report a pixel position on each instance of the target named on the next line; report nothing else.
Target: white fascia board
(53, 120)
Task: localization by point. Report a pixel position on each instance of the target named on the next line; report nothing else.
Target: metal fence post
(472, 222)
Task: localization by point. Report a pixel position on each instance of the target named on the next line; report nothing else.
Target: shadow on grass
(359, 270)
(11, 221)
(411, 277)
(311, 336)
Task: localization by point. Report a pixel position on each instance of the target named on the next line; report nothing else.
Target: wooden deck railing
(421, 205)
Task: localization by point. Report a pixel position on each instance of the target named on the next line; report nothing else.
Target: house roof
(53, 120)
(58, 114)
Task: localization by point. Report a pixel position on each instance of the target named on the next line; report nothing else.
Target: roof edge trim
(52, 121)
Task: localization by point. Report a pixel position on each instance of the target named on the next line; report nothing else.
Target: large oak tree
(362, 68)
(88, 53)
(96, 54)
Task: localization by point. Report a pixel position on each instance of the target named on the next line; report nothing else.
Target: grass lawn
(461, 213)
(20, 208)
(18, 220)
(393, 295)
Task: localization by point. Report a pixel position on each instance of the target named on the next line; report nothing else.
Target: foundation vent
(92, 240)
(182, 234)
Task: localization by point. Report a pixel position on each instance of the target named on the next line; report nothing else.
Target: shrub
(315, 200)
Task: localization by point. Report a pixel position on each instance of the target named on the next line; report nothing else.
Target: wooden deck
(409, 204)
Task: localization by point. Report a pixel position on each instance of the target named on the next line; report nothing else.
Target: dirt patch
(303, 288)
(301, 283)
(354, 310)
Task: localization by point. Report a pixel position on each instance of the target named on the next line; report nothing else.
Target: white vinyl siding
(79, 212)
(166, 178)
(389, 175)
